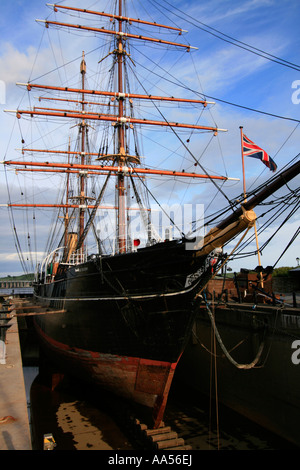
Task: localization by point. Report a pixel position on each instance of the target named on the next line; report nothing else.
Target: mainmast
(121, 216)
(83, 131)
(67, 202)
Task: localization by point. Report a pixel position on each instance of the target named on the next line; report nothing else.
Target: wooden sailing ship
(124, 317)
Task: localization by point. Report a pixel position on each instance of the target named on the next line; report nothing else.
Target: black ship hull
(126, 319)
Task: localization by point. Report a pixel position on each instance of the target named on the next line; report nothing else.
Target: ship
(120, 316)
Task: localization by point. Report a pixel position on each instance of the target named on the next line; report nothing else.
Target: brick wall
(286, 284)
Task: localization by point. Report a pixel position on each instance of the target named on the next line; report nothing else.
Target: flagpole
(245, 199)
(243, 164)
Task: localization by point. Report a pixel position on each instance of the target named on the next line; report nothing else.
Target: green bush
(283, 271)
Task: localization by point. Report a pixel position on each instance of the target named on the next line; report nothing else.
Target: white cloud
(15, 64)
(4, 257)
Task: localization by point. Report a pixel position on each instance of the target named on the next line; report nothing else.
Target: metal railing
(78, 257)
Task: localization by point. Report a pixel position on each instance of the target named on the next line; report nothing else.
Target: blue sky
(225, 72)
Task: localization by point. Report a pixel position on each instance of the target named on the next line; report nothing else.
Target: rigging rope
(178, 83)
(288, 245)
(230, 202)
(184, 145)
(230, 40)
(279, 212)
(14, 230)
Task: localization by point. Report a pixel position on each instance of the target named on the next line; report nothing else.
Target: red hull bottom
(143, 381)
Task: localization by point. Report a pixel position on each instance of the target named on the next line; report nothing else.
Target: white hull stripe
(125, 297)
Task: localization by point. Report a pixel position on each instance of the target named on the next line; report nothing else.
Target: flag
(250, 149)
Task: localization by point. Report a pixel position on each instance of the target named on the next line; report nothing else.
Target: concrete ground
(14, 422)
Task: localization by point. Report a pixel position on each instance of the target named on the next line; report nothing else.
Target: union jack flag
(250, 149)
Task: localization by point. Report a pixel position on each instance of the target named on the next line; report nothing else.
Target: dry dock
(14, 422)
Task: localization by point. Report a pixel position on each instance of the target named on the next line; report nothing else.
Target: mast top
(83, 64)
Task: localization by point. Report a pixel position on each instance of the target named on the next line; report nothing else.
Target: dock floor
(14, 421)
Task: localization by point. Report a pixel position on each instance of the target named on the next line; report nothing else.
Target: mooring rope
(225, 351)
(217, 334)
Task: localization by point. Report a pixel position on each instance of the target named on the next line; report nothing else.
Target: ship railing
(45, 269)
(78, 257)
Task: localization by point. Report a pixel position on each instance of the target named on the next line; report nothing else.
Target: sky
(238, 80)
